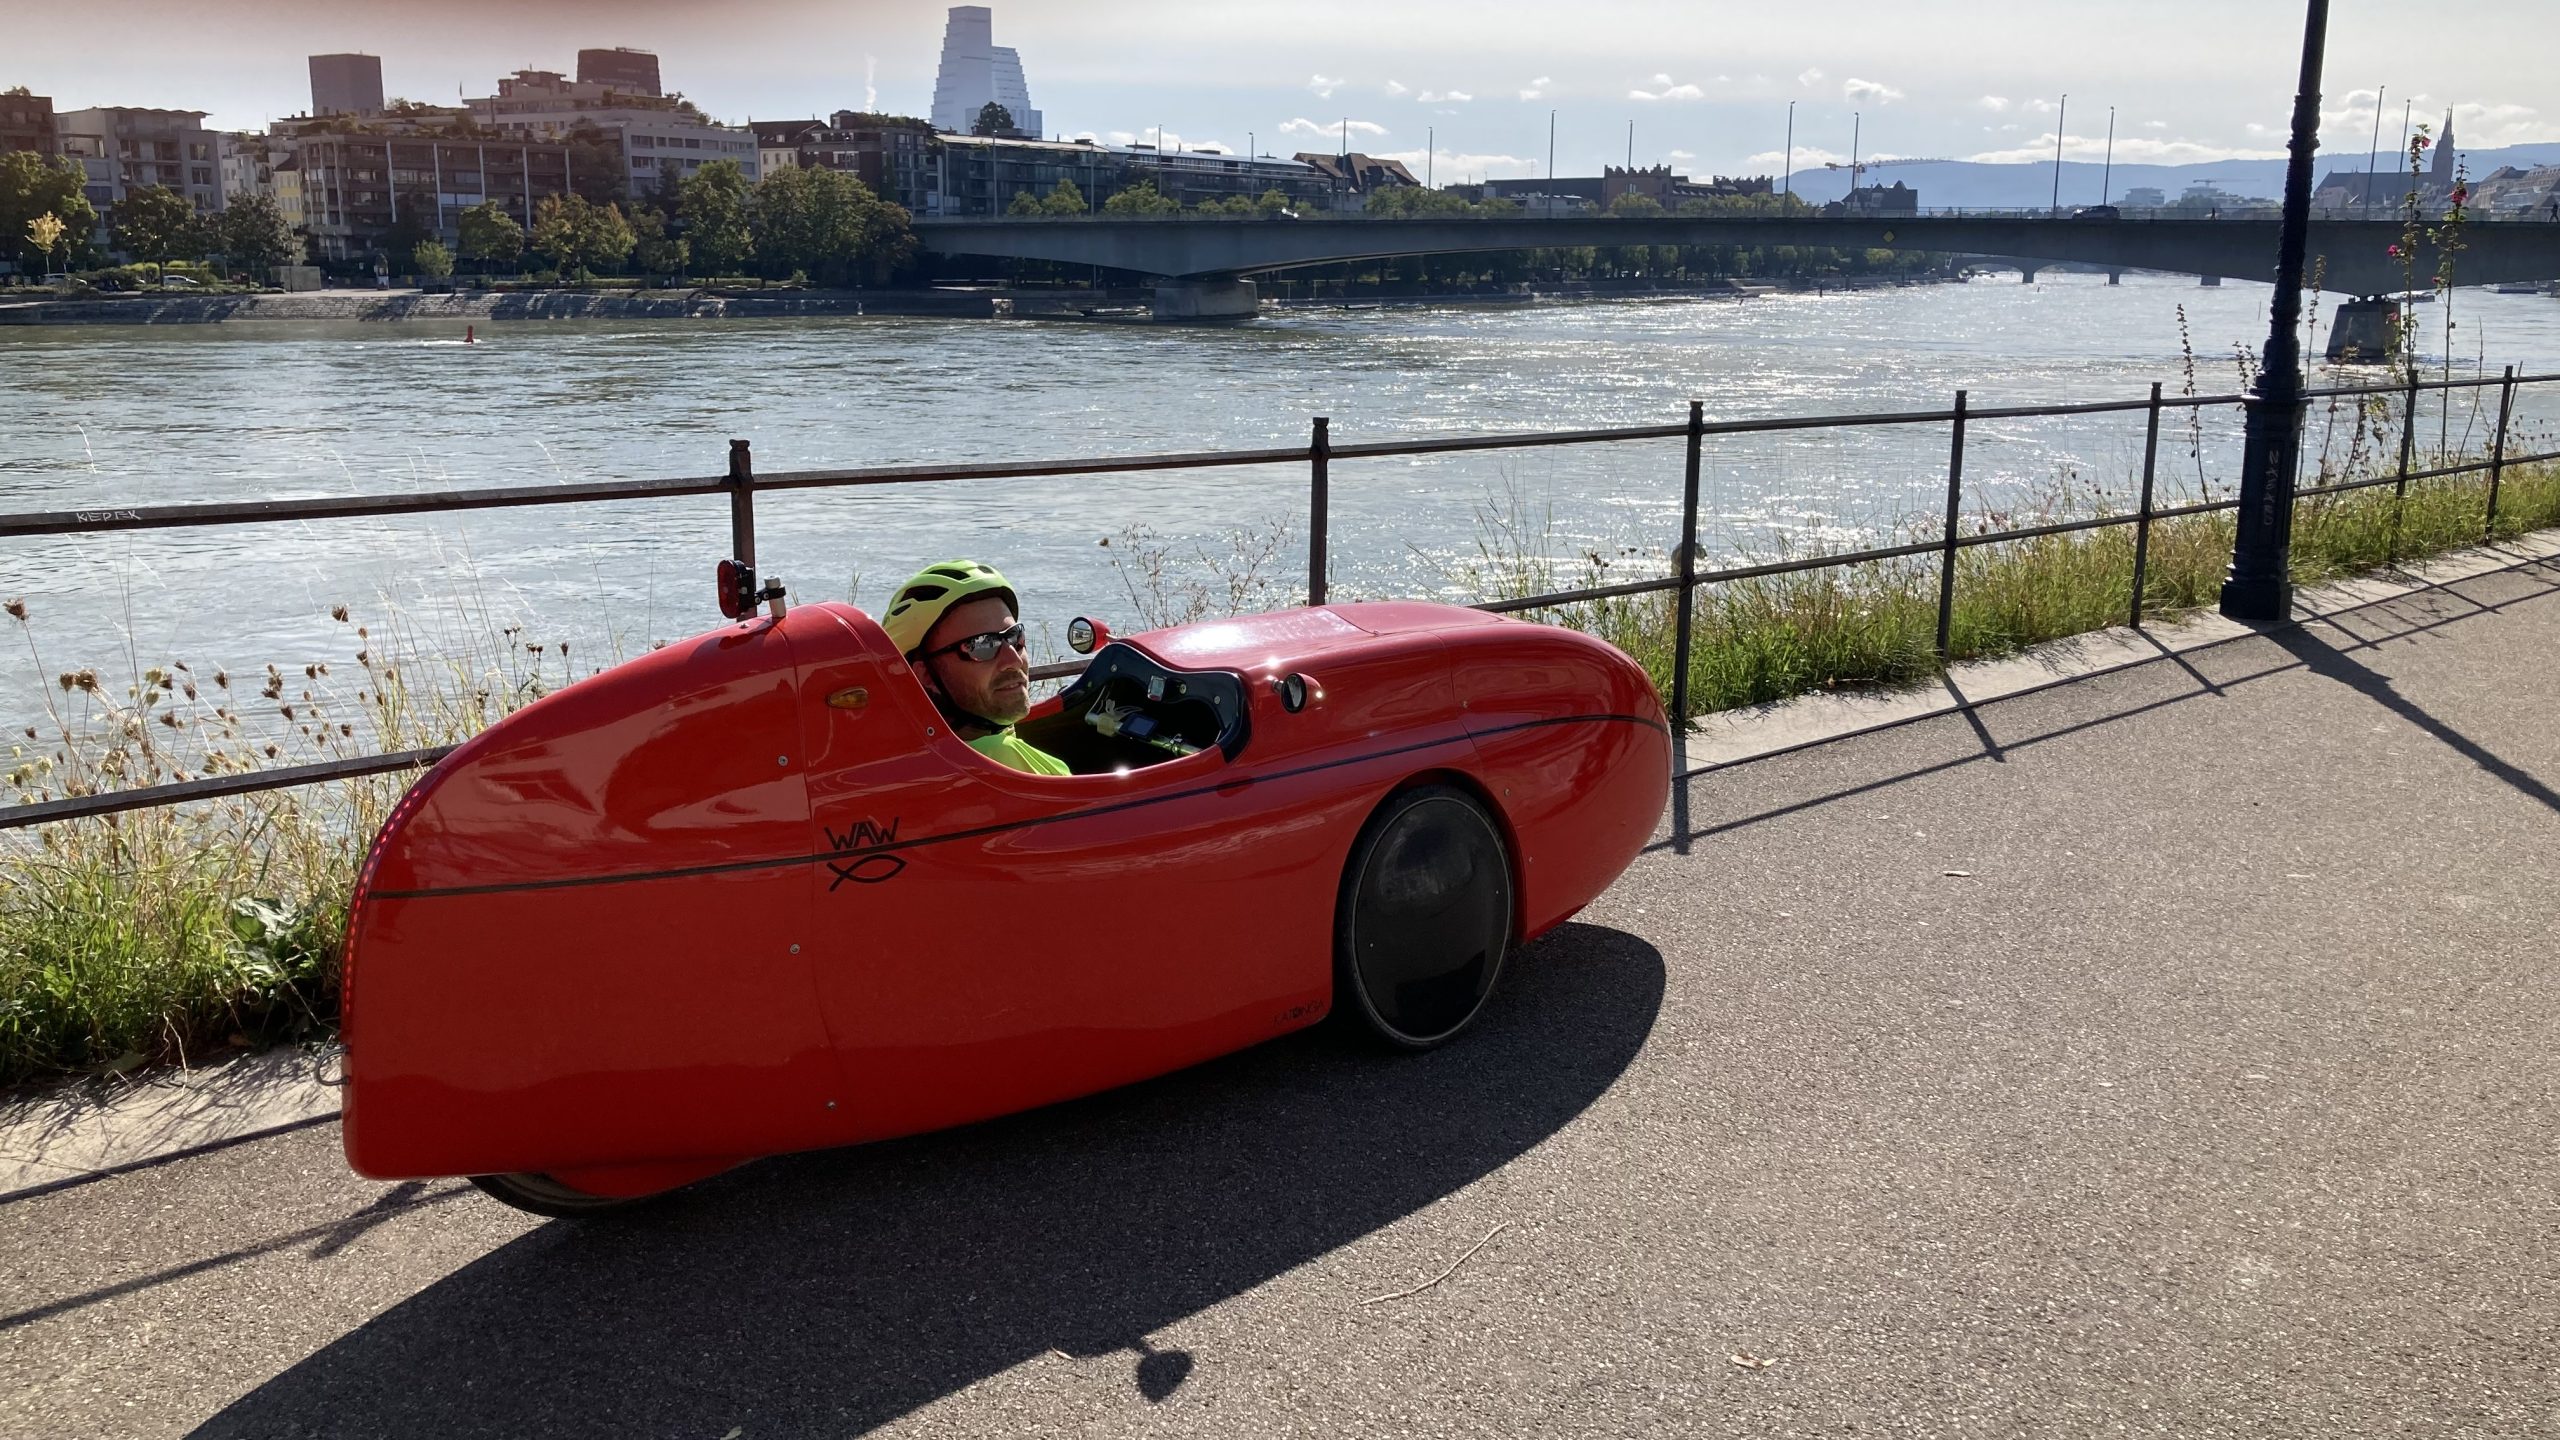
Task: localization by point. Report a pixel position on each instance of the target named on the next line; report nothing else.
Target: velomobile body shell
(747, 894)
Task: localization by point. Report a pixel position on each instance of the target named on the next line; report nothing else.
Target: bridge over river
(1203, 262)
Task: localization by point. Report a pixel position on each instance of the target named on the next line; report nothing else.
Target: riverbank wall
(1125, 302)
(471, 305)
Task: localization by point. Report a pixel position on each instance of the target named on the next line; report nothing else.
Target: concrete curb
(90, 1129)
(1732, 737)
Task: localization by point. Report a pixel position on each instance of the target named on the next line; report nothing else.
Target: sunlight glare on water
(108, 416)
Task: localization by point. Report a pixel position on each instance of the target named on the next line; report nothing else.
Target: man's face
(999, 689)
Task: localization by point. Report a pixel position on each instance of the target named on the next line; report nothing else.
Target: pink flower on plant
(2421, 143)
(2397, 253)
(2461, 193)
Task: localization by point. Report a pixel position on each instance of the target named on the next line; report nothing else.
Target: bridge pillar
(2026, 274)
(1210, 298)
(2364, 330)
(2115, 277)
(2210, 282)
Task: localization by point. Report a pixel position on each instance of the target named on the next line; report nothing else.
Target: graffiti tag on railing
(98, 517)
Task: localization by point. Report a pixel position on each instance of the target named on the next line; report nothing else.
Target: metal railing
(741, 485)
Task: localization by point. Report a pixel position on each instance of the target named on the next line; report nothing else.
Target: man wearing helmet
(956, 624)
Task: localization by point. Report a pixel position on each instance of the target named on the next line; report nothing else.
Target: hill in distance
(1965, 184)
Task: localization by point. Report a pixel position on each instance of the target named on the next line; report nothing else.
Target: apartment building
(352, 191)
(895, 155)
(26, 123)
(127, 148)
(661, 137)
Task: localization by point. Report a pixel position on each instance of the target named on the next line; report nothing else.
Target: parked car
(748, 894)
(2097, 212)
(179, 282)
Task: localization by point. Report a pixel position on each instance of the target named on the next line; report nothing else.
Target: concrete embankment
(342, 305)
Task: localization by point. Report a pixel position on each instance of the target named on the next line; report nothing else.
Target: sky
(1462, 90)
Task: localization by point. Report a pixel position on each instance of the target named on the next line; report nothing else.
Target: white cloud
(1334, 128)
(1774, 162)
(1323, 86)
(870, 84)
(1459, 165)
(2483, 127)
(1435, 97)
(2039, 107)
(1724, 80)
(2155, 124)
(1668, 91)
(1993, 103)
(1868, 92)
(1395, 87)
(1535, 89)
(1809, 79)
(1680, 155)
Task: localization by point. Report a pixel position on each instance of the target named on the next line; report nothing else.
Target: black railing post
(1319, 506)
(2498, 453)
(2400, 487)
(1947, 558)
(1681, 625)
(742, 504)
(2142, 515)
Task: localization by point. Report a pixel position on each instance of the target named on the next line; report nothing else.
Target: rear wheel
(1424, 919)
(541, 1195)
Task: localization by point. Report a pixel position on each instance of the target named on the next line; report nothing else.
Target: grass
(165, 933)
(162, 934)
(1875, 623)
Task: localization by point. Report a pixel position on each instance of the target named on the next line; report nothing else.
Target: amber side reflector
(852, 697)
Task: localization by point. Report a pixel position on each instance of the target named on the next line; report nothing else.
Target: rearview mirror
(1086, 636)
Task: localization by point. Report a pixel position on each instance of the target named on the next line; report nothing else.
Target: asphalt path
(2173, 1053)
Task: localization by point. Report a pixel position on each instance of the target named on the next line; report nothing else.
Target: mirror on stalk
(1294, 691)
(1086, 636)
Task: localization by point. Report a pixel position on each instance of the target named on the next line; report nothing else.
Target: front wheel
(541, 1195)
(1424, 919)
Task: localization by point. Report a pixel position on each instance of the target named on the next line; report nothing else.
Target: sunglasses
(983, 648)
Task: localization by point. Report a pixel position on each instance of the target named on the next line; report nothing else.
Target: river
(106, 416)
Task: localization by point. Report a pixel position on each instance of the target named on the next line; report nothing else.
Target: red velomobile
(747, 894)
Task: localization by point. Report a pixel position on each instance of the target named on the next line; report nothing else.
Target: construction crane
(1860, 167)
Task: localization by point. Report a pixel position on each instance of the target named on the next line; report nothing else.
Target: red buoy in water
(470, 334)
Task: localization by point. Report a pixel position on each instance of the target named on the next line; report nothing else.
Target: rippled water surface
(100, 416)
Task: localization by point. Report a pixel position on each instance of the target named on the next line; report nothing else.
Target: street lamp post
(2060, 111)
(2107, 176)
(2259, 585)
(1790, 183)
(2373, 149)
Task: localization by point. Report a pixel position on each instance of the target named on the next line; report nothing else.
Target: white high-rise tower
(976, 70)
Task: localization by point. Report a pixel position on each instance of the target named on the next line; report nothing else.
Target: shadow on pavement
(2408, 616)
(835, 1291)
(2330, 662)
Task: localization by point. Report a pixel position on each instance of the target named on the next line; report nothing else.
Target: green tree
(431, 260)
(157, 224)
(490, 236)
(597, 170)
(1024, 203)
(580, 236)
(32, 185)
(993, 119)
(1271, 203)
(1064, 199)
(657, 251)
(712, 202)
(1141, 199)
(828, 225)
(254, 235)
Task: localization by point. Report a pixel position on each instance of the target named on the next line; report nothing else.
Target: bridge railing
(739, 485)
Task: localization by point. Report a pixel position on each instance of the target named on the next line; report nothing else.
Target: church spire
(2442, 169)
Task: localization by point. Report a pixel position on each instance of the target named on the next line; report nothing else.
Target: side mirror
(737, 590)
(1295, 691)
(1086, 636)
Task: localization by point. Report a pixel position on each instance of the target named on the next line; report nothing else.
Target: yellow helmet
(935, 589)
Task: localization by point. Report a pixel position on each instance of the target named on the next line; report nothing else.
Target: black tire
(1423, 923)
(541, 1195)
